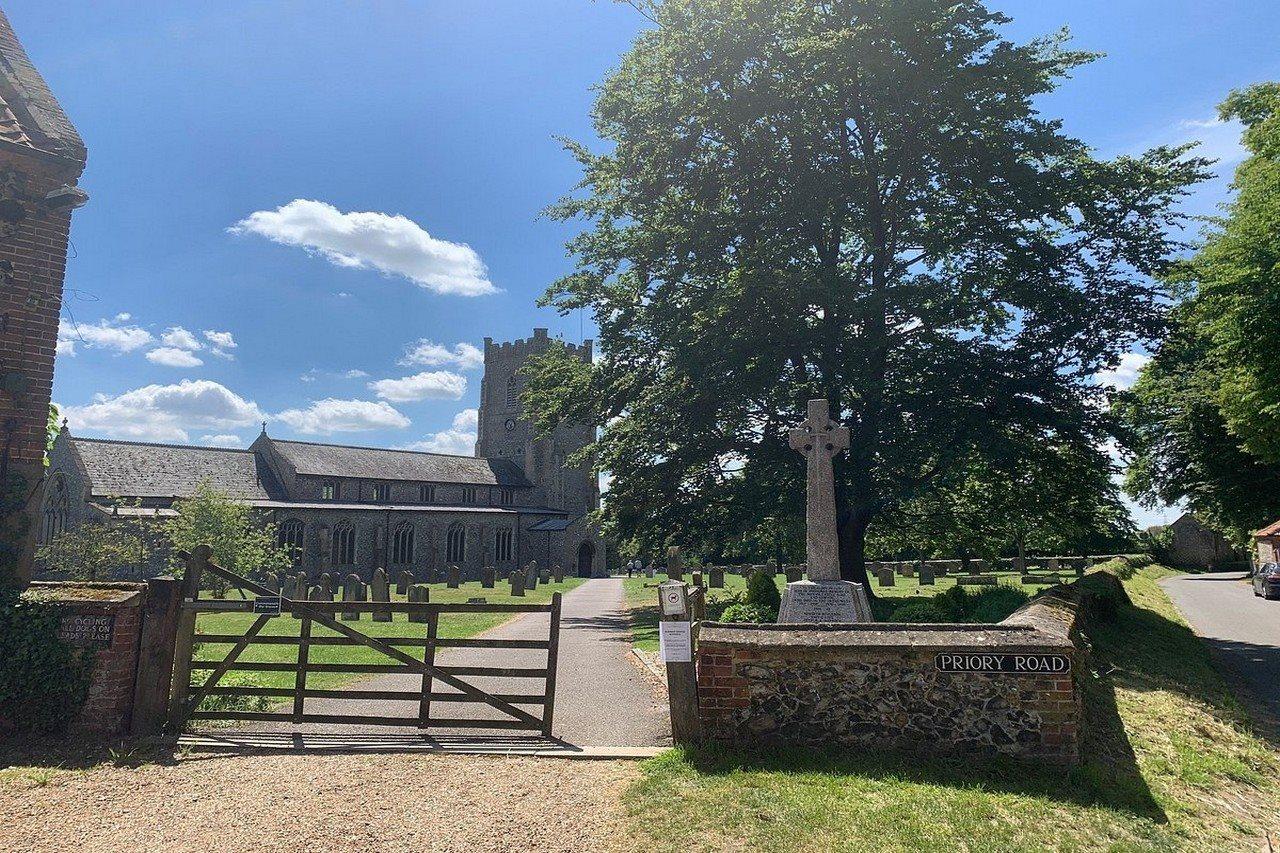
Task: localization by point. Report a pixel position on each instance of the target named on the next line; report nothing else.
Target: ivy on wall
(43, 679)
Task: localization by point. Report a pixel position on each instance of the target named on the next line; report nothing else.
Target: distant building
(1193, 544)
(1267, 541)
(41, 158)
(345, 509)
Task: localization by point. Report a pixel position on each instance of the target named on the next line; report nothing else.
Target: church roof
(375, 463)
(137, 470)
(30, 116)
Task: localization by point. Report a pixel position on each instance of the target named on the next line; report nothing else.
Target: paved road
(602, 697)
(1242, 629)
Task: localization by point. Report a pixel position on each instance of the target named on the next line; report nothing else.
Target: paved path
(1242, 629)
(602, 697)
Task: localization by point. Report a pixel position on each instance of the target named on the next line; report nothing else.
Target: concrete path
(602, 697)
(1243, 630)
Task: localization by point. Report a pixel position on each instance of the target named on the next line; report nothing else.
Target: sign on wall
(87, 629)
(1013, 663)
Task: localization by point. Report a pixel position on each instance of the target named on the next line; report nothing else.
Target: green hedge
(43, 680)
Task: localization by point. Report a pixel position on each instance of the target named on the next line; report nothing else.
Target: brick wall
(880, 686)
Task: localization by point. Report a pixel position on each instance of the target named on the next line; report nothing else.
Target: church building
(345, 509)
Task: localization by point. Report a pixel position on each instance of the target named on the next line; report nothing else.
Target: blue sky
(225, 139)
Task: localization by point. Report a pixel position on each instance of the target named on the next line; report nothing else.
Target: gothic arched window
(456, 544)
(56, 503)
(513, 392)
(344, 544)
(402, 544)
(291, 536)
(503, 543)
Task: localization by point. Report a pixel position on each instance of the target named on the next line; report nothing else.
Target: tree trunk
(852, 530)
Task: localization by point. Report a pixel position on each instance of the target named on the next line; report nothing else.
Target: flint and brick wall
(879, 686)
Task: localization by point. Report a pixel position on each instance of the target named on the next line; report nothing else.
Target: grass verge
(1172, 763)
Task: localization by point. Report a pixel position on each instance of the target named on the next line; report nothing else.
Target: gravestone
(926, 575)
(379, 591)
(716, 577)
(326, 581)
(404, 580)
(454, 576)
(1054, 564)
(280, 582)
(300, 586)
(794, 574)
(886, 577)
(648, 572)
(824, 597)
(517, 583)
(977, 580)
(544, 576)
(1037, 580)
(941, 568)
(419, 592)
(697, 578)
(352, 590)
(910, 571)
(675, 569)
(557, 573)
(488, 576)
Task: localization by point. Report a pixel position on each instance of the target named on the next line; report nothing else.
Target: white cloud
(325, 417)
(221, 340)
(430, 354)
(391, 244)
(179, 338)
(105, 334)
(459, 439)
(429, 385)
(222, 440)
(173, 357)
(354, 374)
(1125, 373)
(165, 412)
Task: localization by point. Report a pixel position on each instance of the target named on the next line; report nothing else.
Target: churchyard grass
(1171, 762)
(452, 625)
(642, 598)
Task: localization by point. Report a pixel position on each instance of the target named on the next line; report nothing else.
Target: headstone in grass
(557, 573)
(488, 576)
(675, 564)
(419, 593)
(380, 591)
(326, 581)
(926, 574)
(517, 583)
(1037, 580)
(278, 582)
(352, 590)
(794, 573)
(696, 578)
(531, 575)
(648, 572)
(1054, 564)
(909, 570)
(886, 576)
(479, 599)
(716, 577)
(404, 580)
(977, 580)
(454, 576)
(544, 576)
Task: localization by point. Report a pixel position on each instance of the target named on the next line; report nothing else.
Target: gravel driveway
(262, 803)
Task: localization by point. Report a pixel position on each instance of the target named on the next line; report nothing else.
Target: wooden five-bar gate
(186, 697)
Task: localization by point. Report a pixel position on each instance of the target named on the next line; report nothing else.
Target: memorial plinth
(816, 602)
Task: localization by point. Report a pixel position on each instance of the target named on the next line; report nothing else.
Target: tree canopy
(1203, 419)
(851, 200)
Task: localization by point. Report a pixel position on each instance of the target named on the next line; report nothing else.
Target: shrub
(43, 680)
(762, 593)
(919, 610)
(742, 612)
(994, 604)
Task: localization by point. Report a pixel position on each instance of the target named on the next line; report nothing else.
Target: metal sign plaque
(1003, 662)
(267, 605)
(87, 629)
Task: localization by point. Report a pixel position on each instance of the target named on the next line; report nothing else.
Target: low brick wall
(888, 686)
(104, 619)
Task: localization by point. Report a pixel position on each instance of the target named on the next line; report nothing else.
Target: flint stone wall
(879, 686)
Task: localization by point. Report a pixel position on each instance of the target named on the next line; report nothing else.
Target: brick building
(353, 509)
(41, 159)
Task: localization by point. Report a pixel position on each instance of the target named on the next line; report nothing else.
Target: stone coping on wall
(87, 592)
(880, 635)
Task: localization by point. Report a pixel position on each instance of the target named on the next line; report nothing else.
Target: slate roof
(30, 115)
(135, 469)
(374, 463)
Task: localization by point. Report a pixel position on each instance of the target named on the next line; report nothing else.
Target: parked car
(1266, 580)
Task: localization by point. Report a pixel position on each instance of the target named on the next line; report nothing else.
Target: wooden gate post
(682, 676)
(186, 636)
(155, 656)
(553, 654)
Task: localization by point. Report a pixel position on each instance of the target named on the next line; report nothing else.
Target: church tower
(504, 432)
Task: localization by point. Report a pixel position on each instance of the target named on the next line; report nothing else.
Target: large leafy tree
(1203, 419)
(850, 200)
(241, 542)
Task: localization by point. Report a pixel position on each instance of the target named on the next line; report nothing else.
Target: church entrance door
(586, 557)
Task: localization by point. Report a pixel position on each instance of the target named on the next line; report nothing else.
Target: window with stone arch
(513, 392)
(402, 544)
(292, 535)
(57, 501)
(344, 544)
(456, 544)
(503, 545)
